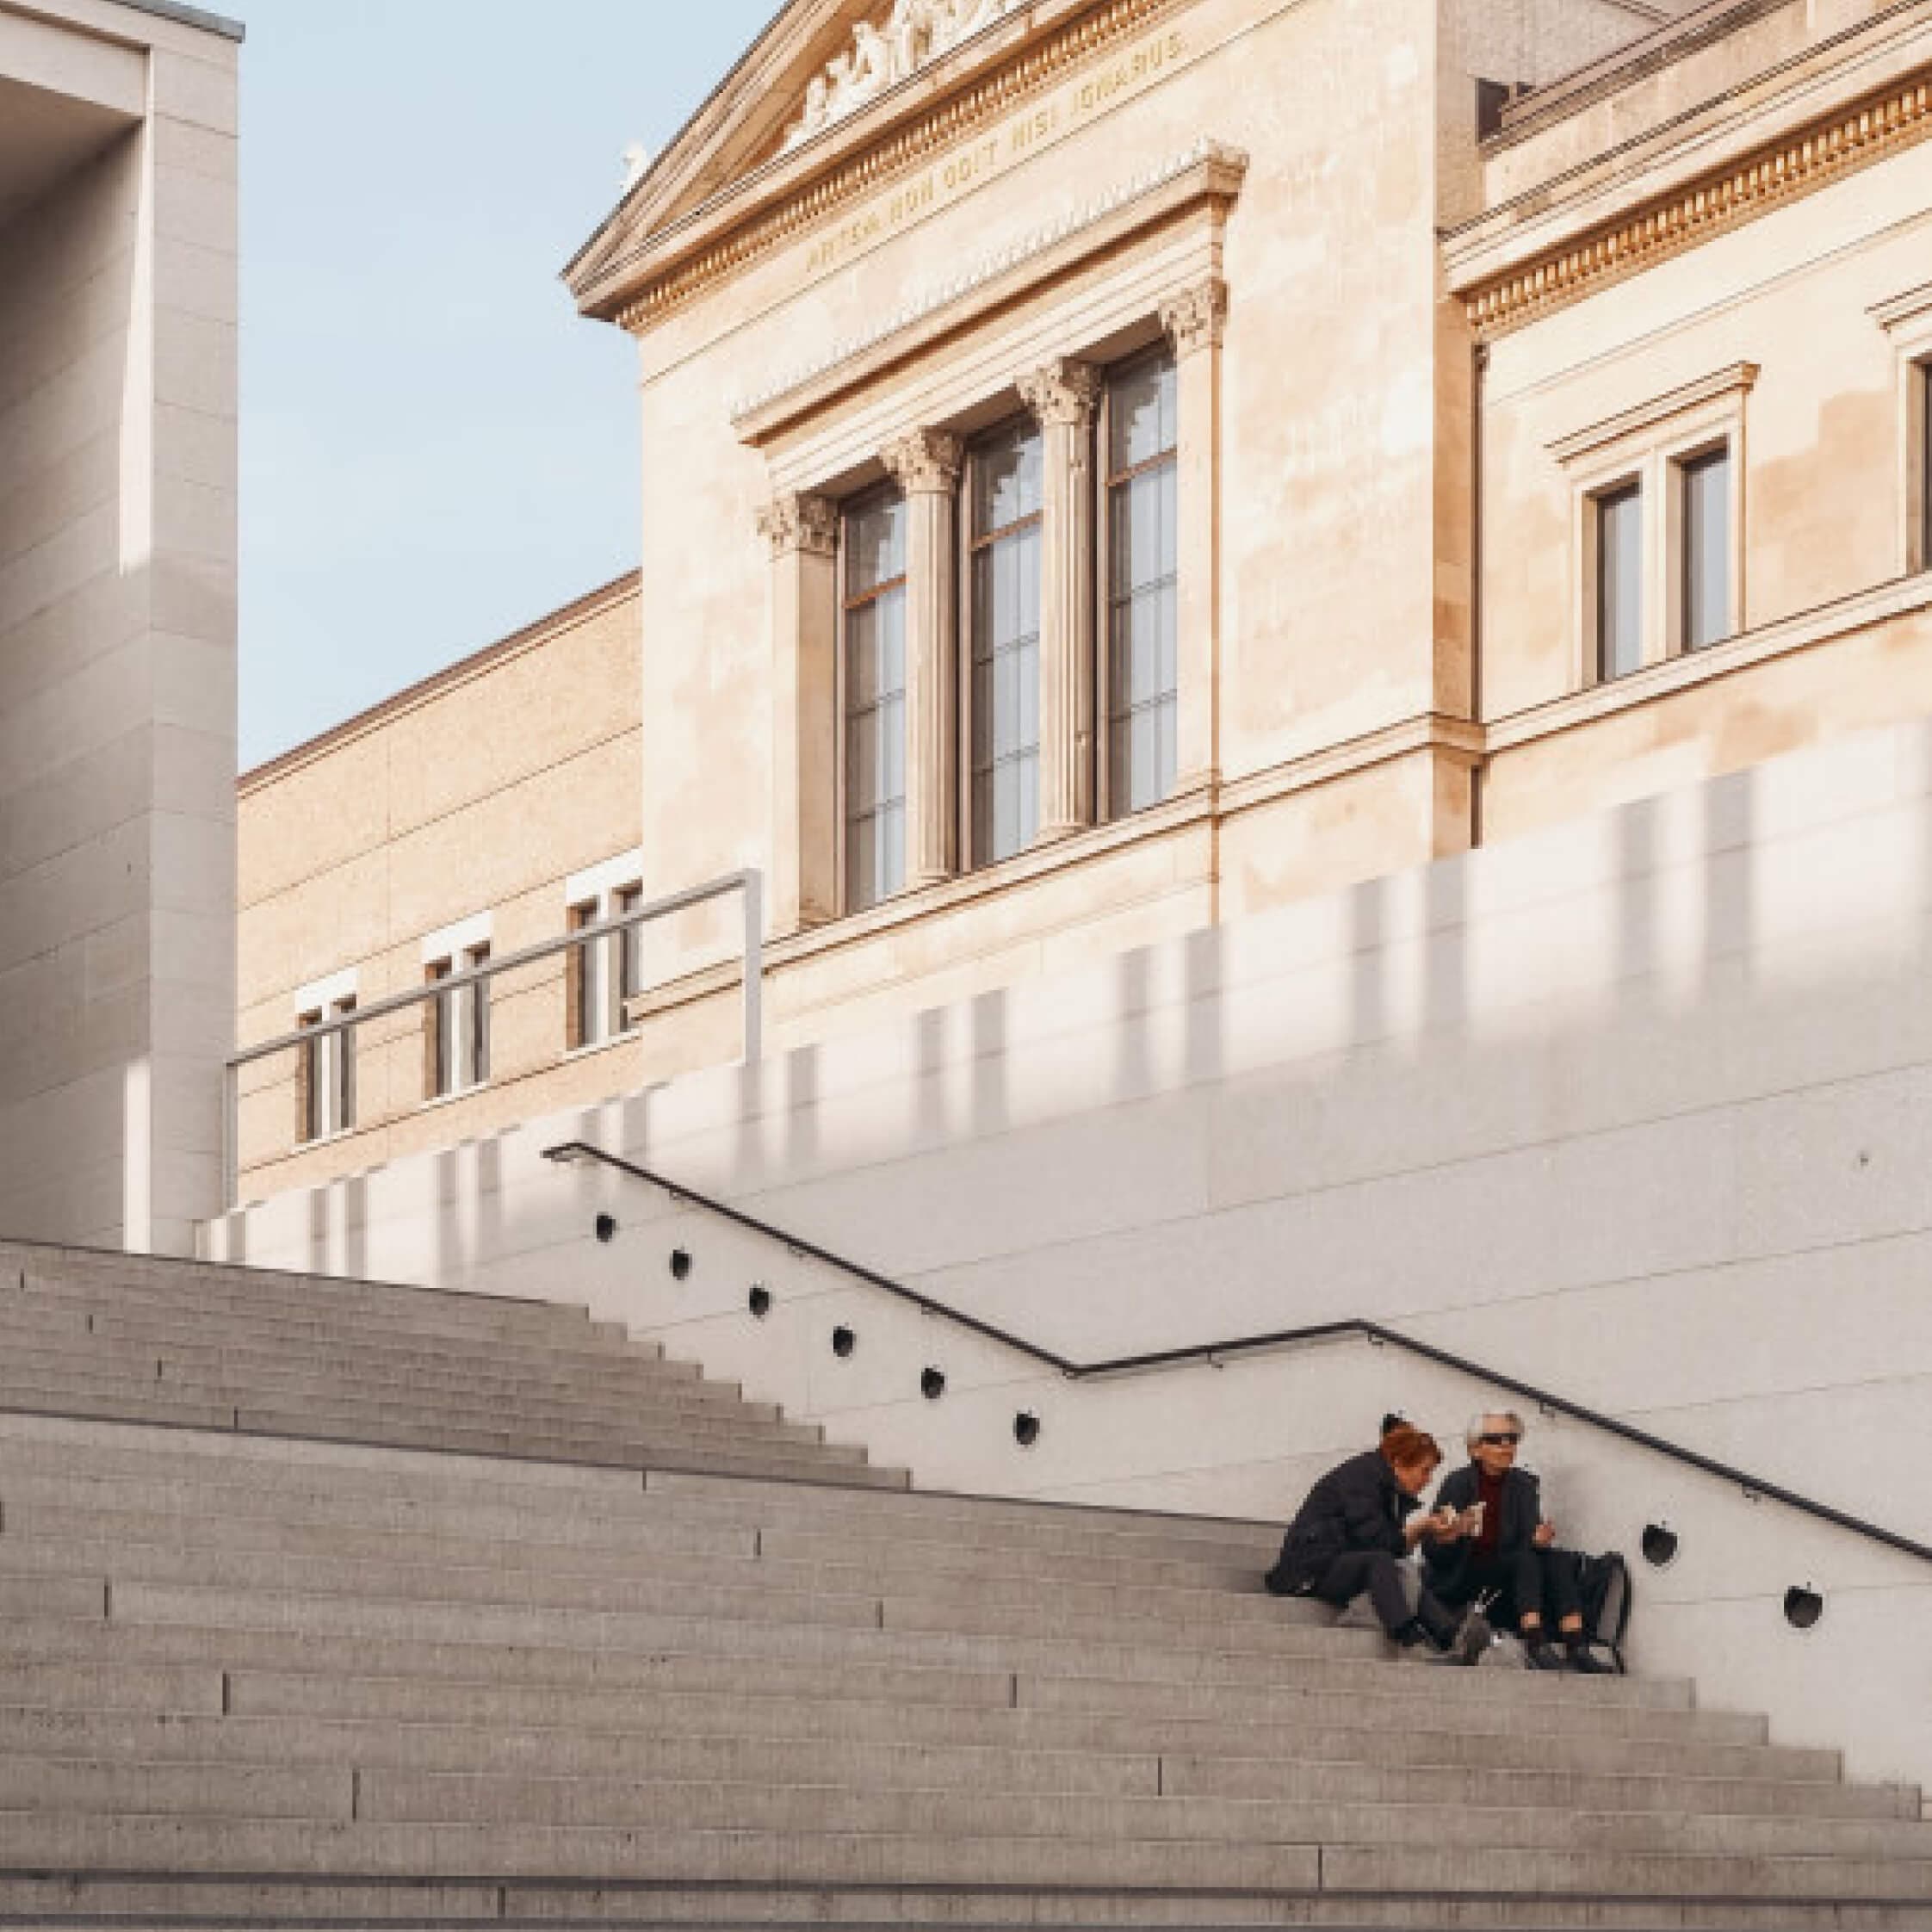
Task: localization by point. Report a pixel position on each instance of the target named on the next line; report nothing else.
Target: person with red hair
(1351, 1535)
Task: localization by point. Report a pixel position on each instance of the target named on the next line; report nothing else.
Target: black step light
(843, 1341)
(1026, 1429)
(1659, 1546)
(759, 1300)
(932, 1383)
(607, 1228)
(680, 1264)
(1803, 1606)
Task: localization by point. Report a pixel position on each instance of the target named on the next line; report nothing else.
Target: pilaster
(1062, 397)
(1194, 321)
(926, 465)
(803, 871)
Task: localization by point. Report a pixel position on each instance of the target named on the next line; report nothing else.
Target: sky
(434, 449)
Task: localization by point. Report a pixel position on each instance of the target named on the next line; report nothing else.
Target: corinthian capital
(800, 523)
(1064, 392)
(1194, 318)
(925, 462)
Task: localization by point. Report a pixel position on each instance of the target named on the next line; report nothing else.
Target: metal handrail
(749, 882)
(1754, 1488)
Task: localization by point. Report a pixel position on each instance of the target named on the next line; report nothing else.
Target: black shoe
(1471, 1640)
(1580, 1658)
(1544, 1655)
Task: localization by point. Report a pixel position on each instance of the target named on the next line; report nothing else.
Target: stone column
(1062, 397)
(1193, 321)
(803, 878)
(925, 464)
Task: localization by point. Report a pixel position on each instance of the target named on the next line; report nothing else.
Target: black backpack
(1603, 1591)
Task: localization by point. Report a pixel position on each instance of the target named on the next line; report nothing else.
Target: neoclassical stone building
(1314, 617)
(1111, 469)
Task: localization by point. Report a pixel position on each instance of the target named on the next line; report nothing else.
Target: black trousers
(1378, 1573)
(1525, 1582)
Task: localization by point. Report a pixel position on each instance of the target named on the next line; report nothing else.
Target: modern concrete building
(117, 615)
(1315, 617)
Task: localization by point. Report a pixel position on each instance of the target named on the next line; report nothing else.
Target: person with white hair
(1503, 1550)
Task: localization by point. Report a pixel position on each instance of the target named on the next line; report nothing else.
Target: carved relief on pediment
(914, 34)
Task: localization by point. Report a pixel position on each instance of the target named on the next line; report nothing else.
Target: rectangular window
(456, 1027)
(1005, 700)
(1140, 677)
(586, 1017)
(1620, 582)
(1922, 375)
(326, 1077)
(1706, 555)
(874, 682)
(603, 973)
(630, 946)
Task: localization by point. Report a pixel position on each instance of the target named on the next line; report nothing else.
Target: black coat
(1356, 1506)
(1522, 1510)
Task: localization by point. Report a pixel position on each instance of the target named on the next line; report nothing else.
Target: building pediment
(821, 83)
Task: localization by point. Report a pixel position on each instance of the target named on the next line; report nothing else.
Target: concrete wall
(117, 622)
(1636, 1108)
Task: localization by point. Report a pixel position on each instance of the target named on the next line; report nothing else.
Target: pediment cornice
(730, 188)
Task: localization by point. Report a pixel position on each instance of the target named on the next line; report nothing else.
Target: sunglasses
(1502, 1440)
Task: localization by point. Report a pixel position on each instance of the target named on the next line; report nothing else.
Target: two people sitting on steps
(1485, 1545)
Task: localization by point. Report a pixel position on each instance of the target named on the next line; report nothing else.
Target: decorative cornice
(1196, 317)
(800, 523)
(1026, 75)
(1065, 391)
(1222, 168)
(925, 462)
(1736, 379)
(1797, 165)
(1903, 311)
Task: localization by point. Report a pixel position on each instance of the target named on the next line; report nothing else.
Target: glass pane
(892, 750)
(1706, 484)
(1006, 477)
(892, 849)
(875, 544)
(1141, 414)
(862, 864)
(982, 715)
(1620, 563)
(862, 762)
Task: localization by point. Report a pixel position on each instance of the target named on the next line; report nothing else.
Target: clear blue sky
(435, 449)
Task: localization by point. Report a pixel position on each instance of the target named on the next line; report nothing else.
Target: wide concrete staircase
(333, 1603)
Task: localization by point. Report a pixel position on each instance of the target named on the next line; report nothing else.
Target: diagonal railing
(1755, 1488)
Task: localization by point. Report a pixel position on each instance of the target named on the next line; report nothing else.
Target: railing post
(753, 885)
(230, 1136)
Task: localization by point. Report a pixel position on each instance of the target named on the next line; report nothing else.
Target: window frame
(1649, 445)
(1597, 501)
(971, 545)
(1678, 466)
(1907, 319)
(593, 897)
(850, 508)
(1105, 482)
(448, 1018)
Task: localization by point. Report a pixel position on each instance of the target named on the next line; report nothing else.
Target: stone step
(635, 1579)
(398, 1310)
(763, 1660)
(659, 1382)
(1139, 1649)
(672, 1755)
(142, 1322)
(735, 1497)
(208, 1381)
(482, 1435)
(968, 1708)
(821, 1806)
(242, 1844)
(257, 1902)
(244, 1549)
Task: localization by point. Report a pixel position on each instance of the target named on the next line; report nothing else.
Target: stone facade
(117, 615)
(464, 805)
(1501, 260)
